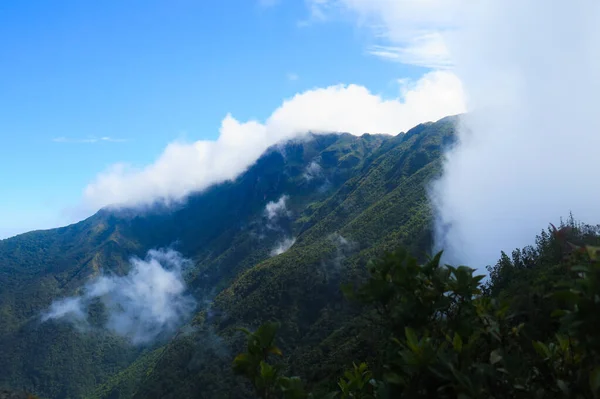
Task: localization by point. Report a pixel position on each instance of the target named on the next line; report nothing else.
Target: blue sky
(85, 85)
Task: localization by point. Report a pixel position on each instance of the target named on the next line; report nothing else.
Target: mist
(276, 212)
(277, 209)
(527, 152)
(146, 303)
(283, 245)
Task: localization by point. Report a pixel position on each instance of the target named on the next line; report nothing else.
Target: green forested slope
(379, 208)
(437, 331)
(421, 329)
(37, 267)
(222, 230)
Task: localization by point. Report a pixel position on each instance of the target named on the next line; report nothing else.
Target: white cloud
(187, 167)
(428, 50)
(67, 308)
(529, 150)
(531, 74)
(145, 303)
(276, 209)
(283, 246)
(88, 140)
(312, 170)
(406, 31)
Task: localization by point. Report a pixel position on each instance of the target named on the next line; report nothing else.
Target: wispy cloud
(283, 245)
(293, 76)
(149, 301)
(89, 140)
(408, 31)
(312, 170)
(428, 51)
(273, 209)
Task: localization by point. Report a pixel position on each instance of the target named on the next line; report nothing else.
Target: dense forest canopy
(529, 331)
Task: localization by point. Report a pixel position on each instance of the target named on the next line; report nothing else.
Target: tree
(530, 331)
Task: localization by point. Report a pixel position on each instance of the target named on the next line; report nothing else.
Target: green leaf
(411, 339)
(580, 268)
(242, 363)
(566, 295)
(267, 371)
(348, 291)
(394, 379)
(595, 381)
(593, 252)
(495, 356)
(541, 349)
(275, 350)
(266, 333)
(563, 386)
(563, 342)
(457, 343)
(244, 330)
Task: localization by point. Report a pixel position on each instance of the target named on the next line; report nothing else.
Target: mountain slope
(221, 230)
(339, 199)
(381, 207)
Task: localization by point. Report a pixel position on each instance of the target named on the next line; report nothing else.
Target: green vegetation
(222, 234)
(380, 206)
(447, 335)
(355, 317)
(366, 198)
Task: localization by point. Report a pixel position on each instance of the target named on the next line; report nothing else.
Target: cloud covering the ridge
(188, 167)
(527, 153)
(528, 148)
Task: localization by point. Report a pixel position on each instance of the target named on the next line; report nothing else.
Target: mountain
(275, 243)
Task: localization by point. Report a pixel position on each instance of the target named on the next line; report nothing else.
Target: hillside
(345, 199)
(380, 208)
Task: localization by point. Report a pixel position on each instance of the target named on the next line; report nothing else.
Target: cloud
(273, 210)
(188, 167)
(531, 74)
(406, 31)
(331, 266)
(312, 171)
(283, 246)
(67, 308)
(528, 152)
(428, 50)
(147, 302)
(293, 76)
(89, 140)
(343, 247)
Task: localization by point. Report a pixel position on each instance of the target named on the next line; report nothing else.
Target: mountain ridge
(361, 187)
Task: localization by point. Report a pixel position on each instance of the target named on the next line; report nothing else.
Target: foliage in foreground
(528, 332)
